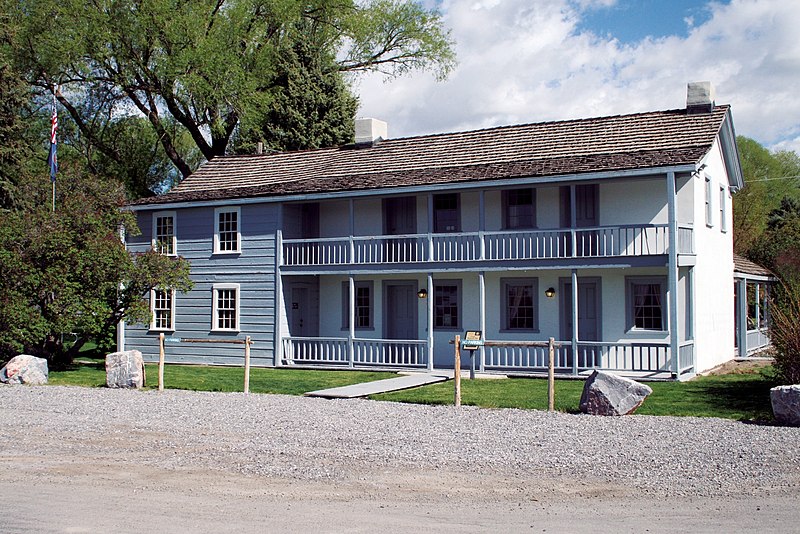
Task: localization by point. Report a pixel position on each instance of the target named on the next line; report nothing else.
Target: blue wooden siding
(253, 269)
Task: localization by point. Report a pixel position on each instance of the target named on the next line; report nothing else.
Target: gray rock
(786, 404)
(25, 369)
(609, 394)
(125, 369)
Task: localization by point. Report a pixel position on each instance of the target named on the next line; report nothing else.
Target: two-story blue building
(613, 235)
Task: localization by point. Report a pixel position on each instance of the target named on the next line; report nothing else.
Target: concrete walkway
(379, 386)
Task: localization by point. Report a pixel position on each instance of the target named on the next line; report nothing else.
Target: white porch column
(352, 258)
(430, 232)
(574, 315)
(742, 316)
(429, 305)
(277, 350)
(482, 311)
(352, 315)
(672, 275)
(573, 221)
(481, 234)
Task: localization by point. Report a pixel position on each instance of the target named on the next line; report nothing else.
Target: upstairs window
(723, 209)
(225, 313)
(519, 208)
(446, 305)
(709, 207)
(646, 303)
(162, 306)
(446, 213)
(363, 305)
(164, 241)
(227, 235)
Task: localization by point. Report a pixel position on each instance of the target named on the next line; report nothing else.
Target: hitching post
(551, 380)
(457, 371)
(161, 361)
(247, 364)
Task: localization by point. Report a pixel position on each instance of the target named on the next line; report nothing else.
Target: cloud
(522, 61)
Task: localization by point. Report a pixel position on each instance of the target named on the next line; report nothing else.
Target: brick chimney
(700, 97)
(370, 131)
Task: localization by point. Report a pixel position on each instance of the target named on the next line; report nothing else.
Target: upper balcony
(599, 242)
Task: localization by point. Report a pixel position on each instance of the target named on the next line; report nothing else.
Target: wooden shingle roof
(745, 266)
(622, 142)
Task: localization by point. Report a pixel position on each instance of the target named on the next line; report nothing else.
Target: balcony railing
(365, 352)
(600, 242)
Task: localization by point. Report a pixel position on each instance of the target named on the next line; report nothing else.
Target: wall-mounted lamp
(422, 293)
(550, 292)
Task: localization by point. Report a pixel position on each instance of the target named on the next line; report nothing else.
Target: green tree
(769, 178)
(211, 65)
(68, 271)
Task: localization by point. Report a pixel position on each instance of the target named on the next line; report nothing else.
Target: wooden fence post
(247, 364)
(551, 380)
(161, 361)
(457, 371)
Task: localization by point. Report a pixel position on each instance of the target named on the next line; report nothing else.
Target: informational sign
(172, 340)
(472, 339)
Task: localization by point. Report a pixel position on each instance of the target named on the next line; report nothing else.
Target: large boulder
(25, 369)
(609, 394)
(125, 369)
(786, 404)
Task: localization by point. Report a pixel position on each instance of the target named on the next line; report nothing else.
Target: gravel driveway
(463, 465)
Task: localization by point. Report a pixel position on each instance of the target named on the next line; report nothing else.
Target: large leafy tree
(209, 66)
(68, 271)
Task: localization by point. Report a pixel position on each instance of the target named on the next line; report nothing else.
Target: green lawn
(743, 396)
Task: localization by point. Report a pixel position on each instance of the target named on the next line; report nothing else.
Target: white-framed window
(164, 232)
(447, 305)
(162, 307)
(225, 308)
(519, 310)
(227, 231)
(709, 206)
(723, 209)
(519, 208)
(646, 299)
(363, 307)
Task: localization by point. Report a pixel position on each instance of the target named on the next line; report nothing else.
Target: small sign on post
(457, 372)
(472, 340)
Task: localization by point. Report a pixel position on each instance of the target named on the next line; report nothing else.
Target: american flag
(52, 159)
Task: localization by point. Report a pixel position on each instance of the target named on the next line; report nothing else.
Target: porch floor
(380, 386)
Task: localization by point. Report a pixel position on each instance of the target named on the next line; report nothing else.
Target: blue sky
(535, 60)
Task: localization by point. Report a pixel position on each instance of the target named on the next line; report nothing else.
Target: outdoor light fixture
(422, 293)
(550, 292)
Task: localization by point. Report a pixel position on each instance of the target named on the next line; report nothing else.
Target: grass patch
(91, 372)
(741, 396)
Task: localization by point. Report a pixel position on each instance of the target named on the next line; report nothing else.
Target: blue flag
(52, 159)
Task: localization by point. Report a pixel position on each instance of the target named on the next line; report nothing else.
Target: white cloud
(522, 61)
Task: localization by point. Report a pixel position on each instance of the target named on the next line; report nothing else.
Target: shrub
(785, 335)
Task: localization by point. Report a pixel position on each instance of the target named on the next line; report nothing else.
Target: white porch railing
(600, 242)
(638, 357)
(366, 352)
(757, 339)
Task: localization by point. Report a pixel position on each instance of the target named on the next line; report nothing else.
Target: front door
(588, 318)
(300, 322)
(400, 317)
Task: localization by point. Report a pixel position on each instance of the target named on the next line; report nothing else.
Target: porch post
(742, 317)
(758, 306)
(430, 321)
(672, 275)
(430, 232)
(574, 318)
(352, 322)
(277, 350)
(352, 251)
(482, 311)
(573, 220)
(481, 234)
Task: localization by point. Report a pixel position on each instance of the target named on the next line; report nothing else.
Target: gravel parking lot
(100, 460)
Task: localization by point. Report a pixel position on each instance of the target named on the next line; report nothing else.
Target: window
(225, 313)
(363, 306)
(723, 209)
(519, 304)
(446, 305)
(519, 208)
(709, 208)
(227, 236)
(446, 215)
(164, 241)
(646, 303)
(162, 306)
